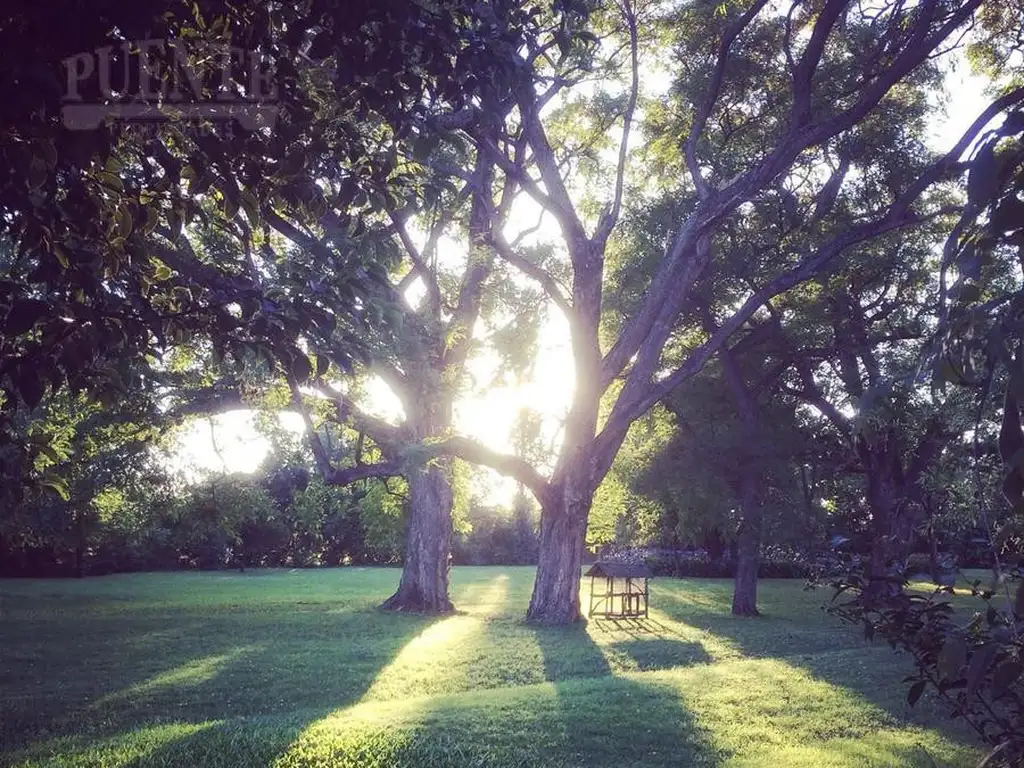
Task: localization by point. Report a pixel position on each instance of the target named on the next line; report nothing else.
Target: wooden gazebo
(625, 600)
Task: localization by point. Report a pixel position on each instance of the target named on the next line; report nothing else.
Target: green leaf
(62, 255)
(110, 180)
(30, 386)
(124, 222)
(323, 364)
(1005, 674)
(58, 486)
(980, 662)
(152, 219)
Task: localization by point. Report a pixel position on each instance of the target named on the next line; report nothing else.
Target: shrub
(699, 565)
(974, 667)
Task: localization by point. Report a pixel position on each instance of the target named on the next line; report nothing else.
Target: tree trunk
(933, 555)
(882, 514)
(885, 500)
(744, 596)
(563, 530)
(752, 474)
(428, 542)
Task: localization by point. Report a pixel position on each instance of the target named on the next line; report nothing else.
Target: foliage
(699, 565)
(498, 536)
(974, 666)
(136, 523)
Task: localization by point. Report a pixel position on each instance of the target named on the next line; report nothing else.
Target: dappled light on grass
(302, 679)
(190, 674)
(125, 750)
(767, 706)
(371, 731)
(434, 660)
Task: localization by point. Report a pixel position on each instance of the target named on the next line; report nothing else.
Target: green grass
(297, 668)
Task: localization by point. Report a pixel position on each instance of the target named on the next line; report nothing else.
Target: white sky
(487, 414)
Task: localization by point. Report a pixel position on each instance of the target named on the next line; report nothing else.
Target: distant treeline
(284, 518)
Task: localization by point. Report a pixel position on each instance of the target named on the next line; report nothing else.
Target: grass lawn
(296, 668)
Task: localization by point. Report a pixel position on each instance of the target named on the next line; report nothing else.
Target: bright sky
(487, 414)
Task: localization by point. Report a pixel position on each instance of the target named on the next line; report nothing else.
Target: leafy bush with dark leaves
(973, 662)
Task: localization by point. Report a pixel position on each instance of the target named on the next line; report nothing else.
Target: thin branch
(380, 469)
(803, 76)
(547, 281)
(316, 445)
(347, 412)
(607, 222)
(419, 266)
(536, 137)
(711, 95)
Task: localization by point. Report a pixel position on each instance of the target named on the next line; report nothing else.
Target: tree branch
(551, 286)
(316, 445)
(607, 222)
(505, 464)
(707, 104)
(347, 412)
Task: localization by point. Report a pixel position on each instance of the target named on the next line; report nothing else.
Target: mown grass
(298, 668)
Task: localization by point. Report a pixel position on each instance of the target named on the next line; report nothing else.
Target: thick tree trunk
(744, 596)
(428, 541)
(883, 513)
(887, 544)
(563, 530)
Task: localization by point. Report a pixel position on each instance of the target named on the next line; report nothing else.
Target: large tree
(288, 246)
(794, 87)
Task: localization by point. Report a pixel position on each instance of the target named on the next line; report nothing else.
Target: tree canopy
(793, 319)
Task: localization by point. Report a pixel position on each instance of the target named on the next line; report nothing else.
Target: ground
(296, 668)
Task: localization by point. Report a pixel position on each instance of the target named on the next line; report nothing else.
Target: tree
(839, 68)
(148, 239)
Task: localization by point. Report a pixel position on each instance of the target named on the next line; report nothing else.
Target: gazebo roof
(619, 570)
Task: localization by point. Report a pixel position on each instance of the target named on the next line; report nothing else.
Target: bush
(699, 565)
(975, 667)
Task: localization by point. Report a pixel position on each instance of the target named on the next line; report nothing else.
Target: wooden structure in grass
(626, 600)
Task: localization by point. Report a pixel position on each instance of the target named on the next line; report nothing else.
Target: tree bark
(885, 500)
(563, 530)
(428, 542)
(744, 596)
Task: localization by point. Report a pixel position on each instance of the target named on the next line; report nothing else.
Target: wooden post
(647, 594)
(610, 607)
(590, 612)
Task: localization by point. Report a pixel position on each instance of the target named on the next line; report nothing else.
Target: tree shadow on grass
(287, 664)
(593, 717)
(794, 627)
